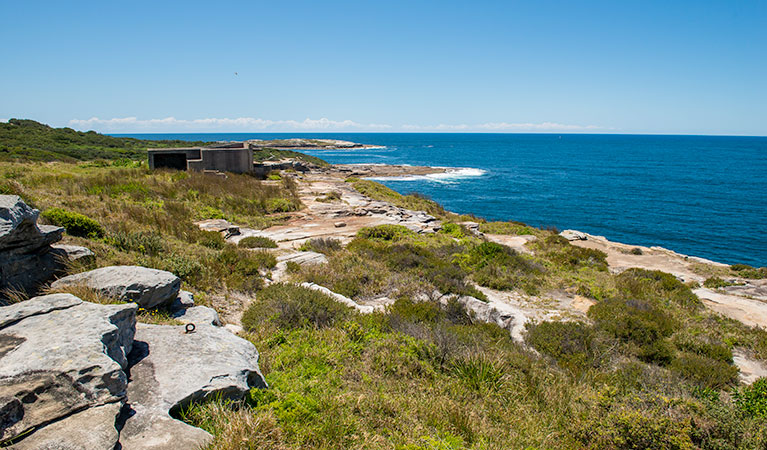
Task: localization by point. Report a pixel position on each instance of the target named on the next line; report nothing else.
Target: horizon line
(570, 133)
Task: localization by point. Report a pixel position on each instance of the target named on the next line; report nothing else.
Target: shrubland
(647, 367)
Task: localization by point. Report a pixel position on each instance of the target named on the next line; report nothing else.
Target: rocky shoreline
(308, 144)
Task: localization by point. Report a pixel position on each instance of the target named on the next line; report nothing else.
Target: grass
(648, 368)
(257, 242)
(147, 217)
(420, 377)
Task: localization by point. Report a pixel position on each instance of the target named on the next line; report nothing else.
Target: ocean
(699, 195)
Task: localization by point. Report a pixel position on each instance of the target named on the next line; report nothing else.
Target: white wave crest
(450, 175)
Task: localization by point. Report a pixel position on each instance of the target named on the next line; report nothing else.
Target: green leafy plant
(257, 242)
(76, 224)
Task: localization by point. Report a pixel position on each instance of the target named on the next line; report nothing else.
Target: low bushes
(257, 242)
(746, 271)
(716, 282)
(652, 285)
(499, 267)
(385, 232)
(574, 345)
(292, 306)
(146, 243)
(638, 323)
(76, 224)
(752, 400)
(704, 371)
(510, 228)
(322, 245)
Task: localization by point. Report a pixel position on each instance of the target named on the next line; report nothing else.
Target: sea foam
(451, 175)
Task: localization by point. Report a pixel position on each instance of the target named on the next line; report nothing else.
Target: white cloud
(505, 126)
(4, 120)
(251, 124)
(171, 124)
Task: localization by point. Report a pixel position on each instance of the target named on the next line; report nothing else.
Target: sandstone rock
(82, 255)
(219, 225)
(93, 428)
(172, 368)
(148, 288)
(339, 224)
(26, 258)
(184, 300)
(574, 235)
(60, 355)
(198, 315)
(365, 309)
(19, 232)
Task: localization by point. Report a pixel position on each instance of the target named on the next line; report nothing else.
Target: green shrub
(332, 196)
(703, 345)
(146, 243)
(293, 267)
(322, 245)
(574, 345)
(479, 373)
(636, 251)
(76, 224)
(241, 269)
(635, 430)
(562, 253)
(752, 400)
(211, 239)
(509, 228)
(453, 229)
(292, 306)
(636, 322)
(186, 268)
(420, 312)
(704, 371)
(257, 242)
(716, 282)
(279, 204)
(746, 271)
(209, 212)
(385, 232)
(654, 285)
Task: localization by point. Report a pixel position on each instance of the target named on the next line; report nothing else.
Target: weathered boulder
(574, 235)
(75, 253)
(197, 315)
(93, 428)
(171, 368)
(148, 288)
(26, 258)
(184, 300)
(60, 355)
(19, 232)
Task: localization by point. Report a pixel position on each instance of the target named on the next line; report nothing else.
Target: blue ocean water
(699, 195)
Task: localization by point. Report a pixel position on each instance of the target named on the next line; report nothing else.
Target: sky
(663, 67)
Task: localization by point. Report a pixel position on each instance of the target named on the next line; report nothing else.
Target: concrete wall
(189, 153)
(224, 160)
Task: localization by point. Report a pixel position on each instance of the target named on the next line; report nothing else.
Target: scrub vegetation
(647, 367)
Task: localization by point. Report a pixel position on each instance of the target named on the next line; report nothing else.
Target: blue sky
(690, 67)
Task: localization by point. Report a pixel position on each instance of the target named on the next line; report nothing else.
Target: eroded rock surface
(27, 259)
(171, 368)
(60, 355)
(148, 288)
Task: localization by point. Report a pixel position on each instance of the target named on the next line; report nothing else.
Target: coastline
(744, 300)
